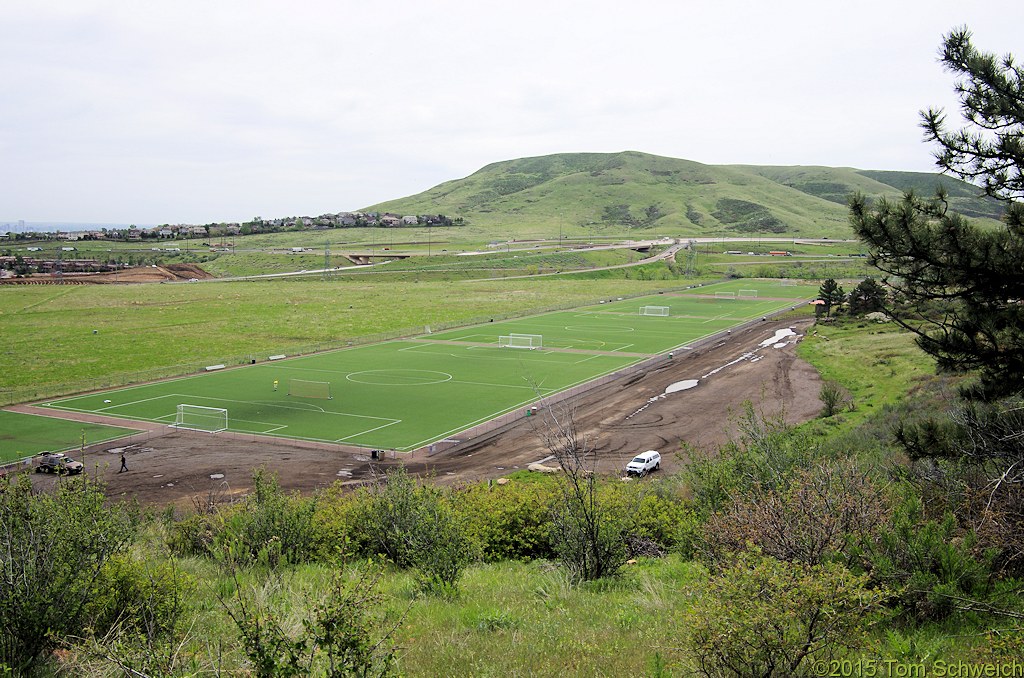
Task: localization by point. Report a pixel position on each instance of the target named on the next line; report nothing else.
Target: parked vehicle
(643, 464)
(59, 463)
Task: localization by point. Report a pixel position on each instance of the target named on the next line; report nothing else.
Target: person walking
(124, 464)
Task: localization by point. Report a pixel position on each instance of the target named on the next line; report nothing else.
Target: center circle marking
(399, 377)
(599, 328)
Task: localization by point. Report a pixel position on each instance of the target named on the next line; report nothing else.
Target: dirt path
(620, 419)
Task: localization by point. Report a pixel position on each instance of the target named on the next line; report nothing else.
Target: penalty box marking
(178, 396)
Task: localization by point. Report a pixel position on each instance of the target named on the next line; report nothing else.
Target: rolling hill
(590, 193)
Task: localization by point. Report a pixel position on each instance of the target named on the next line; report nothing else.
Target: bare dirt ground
(619, 418)
(139, 274)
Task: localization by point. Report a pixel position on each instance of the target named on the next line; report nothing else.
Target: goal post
(301, 388)
(661, 311)
(725, 295)
(199, 418)
(787, 282)
(530, 341)
(748, 294)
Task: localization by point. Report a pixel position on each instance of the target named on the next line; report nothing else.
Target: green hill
(592, 193)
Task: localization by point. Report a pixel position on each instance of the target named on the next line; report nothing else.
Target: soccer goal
(788, 282)
(748, 294)
(654, 310)
(725, 295)
(199, 418)
(530, 341)
(300, 388)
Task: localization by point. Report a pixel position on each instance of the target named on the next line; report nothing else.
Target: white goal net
(654, 310)
(521, 341)
(788, 282)
(199, 418)
(748, 294)
(725, 295)
(300, 388)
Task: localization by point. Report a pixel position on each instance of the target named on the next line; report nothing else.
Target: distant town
(219, 230)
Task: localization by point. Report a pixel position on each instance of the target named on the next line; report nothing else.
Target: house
(410, 221)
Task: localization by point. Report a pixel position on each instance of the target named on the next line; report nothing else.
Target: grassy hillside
(592, 193)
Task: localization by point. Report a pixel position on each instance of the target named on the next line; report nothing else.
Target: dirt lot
(620, 419)
(139, 274)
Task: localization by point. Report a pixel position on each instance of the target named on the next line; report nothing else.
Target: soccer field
(406, 394)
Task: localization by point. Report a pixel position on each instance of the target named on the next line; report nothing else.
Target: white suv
(644, 463)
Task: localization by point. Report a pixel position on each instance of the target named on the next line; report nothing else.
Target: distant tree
(867, 297)
(832, 294)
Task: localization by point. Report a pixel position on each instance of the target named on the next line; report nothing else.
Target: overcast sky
(195, 111)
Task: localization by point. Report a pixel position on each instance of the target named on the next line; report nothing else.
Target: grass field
(406, 394)
(146, 332)
(22, 435)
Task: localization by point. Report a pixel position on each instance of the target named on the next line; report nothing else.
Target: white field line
(371, 430)
(511, 408)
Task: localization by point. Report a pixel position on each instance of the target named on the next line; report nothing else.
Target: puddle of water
(779, 336)
(684, 385)
(681, 386)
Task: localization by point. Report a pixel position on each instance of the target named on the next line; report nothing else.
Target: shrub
(767, 454)
(809, 521)
(269, 526)
(347, 632)
(765, 617)
(338, 524)
(930, 565)
(136, 596)
(413, 526)
(507, 522)
(834, 398)
(54, 548)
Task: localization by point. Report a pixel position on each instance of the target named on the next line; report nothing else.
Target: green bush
(507, 522)
(765, 617)
(930, 565)
(267, 527)
(339, 524)
(143, 597)
(414, 526)
(54, 547)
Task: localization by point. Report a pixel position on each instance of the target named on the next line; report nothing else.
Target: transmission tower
(58, 267)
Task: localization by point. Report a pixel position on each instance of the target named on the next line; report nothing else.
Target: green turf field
(406, 394)
(22, 435)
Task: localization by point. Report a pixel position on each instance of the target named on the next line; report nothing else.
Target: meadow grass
(877, 363)
(528, 618)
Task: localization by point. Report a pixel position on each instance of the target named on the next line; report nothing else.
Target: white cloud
(196, 111)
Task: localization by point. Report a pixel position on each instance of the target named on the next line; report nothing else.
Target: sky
(186, 111)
